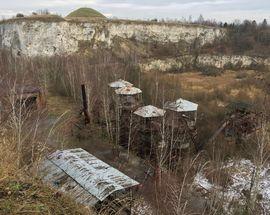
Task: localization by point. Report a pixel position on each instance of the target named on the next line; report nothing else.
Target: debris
(241, 173)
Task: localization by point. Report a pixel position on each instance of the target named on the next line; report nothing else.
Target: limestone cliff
(38, 38)
(220, 62)
(232, 61)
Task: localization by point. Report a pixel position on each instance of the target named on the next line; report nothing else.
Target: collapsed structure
(30, 97)
(87, 179)
(240, 123)
(20, 98)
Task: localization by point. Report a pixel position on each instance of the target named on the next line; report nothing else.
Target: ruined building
(181, 123)
(88, 180)
(148, 130)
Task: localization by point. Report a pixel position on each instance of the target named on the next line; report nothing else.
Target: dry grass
(31, 197)
(42, 18)
(212, 93)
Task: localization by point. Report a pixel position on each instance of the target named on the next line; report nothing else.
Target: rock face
(202, 61)
(232, 61)
(169, 64)
(37, 38)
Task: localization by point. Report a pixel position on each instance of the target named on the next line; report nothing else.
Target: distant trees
(200, 19)
(19, 15)
(43, 12)
(264, 24)
(247, 37)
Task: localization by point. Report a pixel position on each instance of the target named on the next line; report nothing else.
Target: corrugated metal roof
(128, 91)
(181, 105)
(90, 177)
(149, 111)
(59, 179)
(120, 83)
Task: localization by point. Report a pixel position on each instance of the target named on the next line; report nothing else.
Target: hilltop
(86, 13)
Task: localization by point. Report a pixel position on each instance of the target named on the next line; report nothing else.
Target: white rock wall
(233, 60)
(44, 39)
(36, 38)
(220, 62)
(168, 64)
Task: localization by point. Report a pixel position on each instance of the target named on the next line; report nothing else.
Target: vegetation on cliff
(85, 13)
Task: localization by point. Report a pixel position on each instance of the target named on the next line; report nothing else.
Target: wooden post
(85, 105)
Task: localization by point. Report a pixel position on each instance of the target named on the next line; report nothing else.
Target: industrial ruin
(26, 98)
(149, 120)
(30, 97)
(181, 121)
(88, 180)
(145, 129)
(148, 132)
(240, 123)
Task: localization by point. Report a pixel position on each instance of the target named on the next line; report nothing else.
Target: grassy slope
(31, 197)
(86, 12)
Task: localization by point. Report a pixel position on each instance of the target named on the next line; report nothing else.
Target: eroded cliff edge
(38, 38)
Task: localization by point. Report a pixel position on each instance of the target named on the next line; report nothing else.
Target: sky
(220, 10)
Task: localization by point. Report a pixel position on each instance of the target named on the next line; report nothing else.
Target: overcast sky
(221, 10)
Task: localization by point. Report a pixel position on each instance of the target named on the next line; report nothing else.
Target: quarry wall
(38, 38)
(202, 61)
(232, 61)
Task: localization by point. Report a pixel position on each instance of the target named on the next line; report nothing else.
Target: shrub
(19, 15)
(241, 75)
(211, 71)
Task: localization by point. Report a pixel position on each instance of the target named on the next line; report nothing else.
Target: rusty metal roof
(128, 91)
(120, 83)
(181, 105)
(149, 112)
(83, 176)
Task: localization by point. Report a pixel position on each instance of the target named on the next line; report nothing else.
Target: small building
(128, 100)
(149, 129)
(181, 119)
(115, 111)
(183, 109)
(30, 97)
(85, 178)
(120, 84)
(129, 97)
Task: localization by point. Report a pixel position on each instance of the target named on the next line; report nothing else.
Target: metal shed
(84, 177)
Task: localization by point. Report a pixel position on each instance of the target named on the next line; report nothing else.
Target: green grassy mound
(86, 13)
